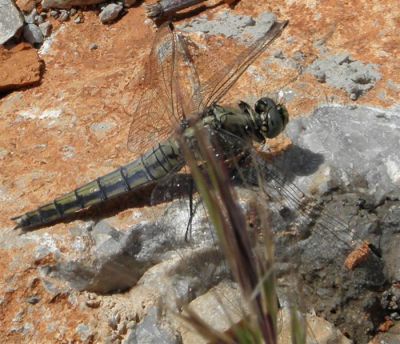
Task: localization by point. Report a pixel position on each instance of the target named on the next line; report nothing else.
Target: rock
(69, 3)
(20, 67)
(54, 13)
(110, 13)
(392, 336)
(241, 27)
(339, 147)
(152, 329)
(95, 128)
(30, 18)
(340, 71)
(39, 19)
(129, 3)
(46, 28)
(33, 34)
(26, 5)
(11, 20)
(64, 16)
(220, 307)
(318, 330)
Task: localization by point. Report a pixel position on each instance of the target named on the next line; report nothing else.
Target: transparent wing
(172, 89)
(170, 77)
(224, 78)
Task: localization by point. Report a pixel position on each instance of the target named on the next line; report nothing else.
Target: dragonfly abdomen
(148, 168)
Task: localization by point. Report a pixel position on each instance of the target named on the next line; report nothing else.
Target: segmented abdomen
(150, 167)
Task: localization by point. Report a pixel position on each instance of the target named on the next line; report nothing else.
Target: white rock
(110, 13)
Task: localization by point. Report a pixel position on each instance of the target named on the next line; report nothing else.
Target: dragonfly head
(273, 117)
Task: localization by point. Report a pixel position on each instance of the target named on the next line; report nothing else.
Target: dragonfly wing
(224, 78)
(171, 89)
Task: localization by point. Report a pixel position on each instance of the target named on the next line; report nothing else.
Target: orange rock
(386, 325)
(20, 67)
(359, 255)
(26, 6)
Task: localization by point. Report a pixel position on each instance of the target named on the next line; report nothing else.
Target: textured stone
(350, 152)
(46, 28)
(110, 13)
(20, 67)
(33, 34)
(341, 71)
(11, 20)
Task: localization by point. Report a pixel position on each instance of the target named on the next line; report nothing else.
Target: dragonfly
(173, 97)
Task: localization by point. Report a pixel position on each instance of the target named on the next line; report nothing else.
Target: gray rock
(39, 19)
(11, 20)
(30, 18)
(33, 34)
(54, 13)
(355, 148)
(342, 72)
(46, 28)
(241, 27)
(72, 12)
(152, 330)
(110, 13)
(64, 16)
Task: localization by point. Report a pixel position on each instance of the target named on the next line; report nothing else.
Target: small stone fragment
(64, 16)
(46, 28)
(54, 14)
(129, 3)
(33, 300)
(93, 46)
(39, 19)
(110, 13)
(78, 20)
(72, 12)
(30, 18)
(11, 20)
(93, 303)
(32, 34)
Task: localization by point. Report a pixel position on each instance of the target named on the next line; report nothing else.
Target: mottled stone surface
(20, 67)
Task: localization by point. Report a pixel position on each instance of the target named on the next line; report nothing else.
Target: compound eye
(264, 104)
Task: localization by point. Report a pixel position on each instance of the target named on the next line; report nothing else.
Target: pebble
(33, 300)
(39, 19)
(72, 12)
(79, 19)
(46, 28)
(32, 34)
(129, 3)
(110, 13)
(30, 18)
(64, 16)
(93, 303)
(54, 14)
(93, 46)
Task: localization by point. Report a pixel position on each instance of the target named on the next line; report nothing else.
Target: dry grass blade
(254, 275)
